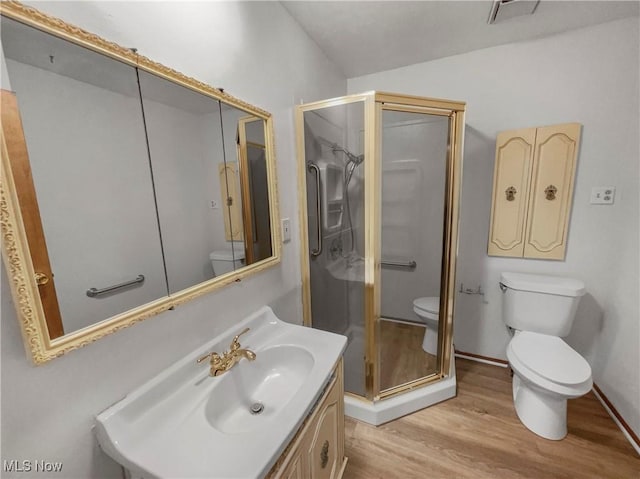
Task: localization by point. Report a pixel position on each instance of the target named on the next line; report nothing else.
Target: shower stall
(379, 182)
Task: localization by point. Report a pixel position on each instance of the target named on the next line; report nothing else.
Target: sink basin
(185, 423)
(271, 381)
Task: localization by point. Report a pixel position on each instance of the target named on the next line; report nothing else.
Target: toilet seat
(428, 304)
(550, 363)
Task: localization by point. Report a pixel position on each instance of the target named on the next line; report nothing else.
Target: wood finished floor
(413, 363)
(478, 435)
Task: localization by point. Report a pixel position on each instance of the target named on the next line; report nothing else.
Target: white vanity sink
(272, 381)
(185, 423)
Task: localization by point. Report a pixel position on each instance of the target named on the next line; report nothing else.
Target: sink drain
(256, 408)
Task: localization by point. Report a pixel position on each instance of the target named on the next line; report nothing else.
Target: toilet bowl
(546, 370)
(428, 310)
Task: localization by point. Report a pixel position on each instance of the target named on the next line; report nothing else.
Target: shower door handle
(318, 250)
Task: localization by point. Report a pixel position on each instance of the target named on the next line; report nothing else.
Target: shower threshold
(385, 410)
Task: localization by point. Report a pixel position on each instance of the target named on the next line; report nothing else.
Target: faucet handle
(234, 343)
(213, 355)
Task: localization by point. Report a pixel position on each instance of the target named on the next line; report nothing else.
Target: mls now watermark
(31, 466)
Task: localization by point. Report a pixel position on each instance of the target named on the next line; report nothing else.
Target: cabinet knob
(550, 192)
(511, 193)
(41, 279)
(324, 454)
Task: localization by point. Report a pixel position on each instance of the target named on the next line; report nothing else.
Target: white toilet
(546, 370)
(225, 260)
(428, 310)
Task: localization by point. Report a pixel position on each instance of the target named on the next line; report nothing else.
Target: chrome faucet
(221, 364)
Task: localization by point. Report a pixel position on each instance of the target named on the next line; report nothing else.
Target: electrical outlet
(286, 230)
(214, 205)
(602, 195)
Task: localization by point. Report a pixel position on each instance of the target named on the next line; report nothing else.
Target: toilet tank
(226, 260)
(538, 303)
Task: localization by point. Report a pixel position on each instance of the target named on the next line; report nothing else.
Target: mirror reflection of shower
(353, 161)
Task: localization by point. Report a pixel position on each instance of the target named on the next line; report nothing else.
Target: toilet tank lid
(227, 255)
(539, 283)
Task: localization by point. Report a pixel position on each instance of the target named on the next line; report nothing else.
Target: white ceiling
(367, 37)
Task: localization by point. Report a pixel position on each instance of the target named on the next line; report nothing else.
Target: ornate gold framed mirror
(127, 188)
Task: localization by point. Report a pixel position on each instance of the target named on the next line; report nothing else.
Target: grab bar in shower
(318, 250)
(93, 292)
(400, 264)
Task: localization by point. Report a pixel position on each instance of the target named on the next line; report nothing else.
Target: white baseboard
(483, 360)
(614, 416)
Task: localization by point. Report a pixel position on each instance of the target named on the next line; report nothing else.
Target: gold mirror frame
(16, 254)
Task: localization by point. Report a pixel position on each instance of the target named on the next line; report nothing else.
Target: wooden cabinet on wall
(230, 196)
(317, 451)
(532, 191)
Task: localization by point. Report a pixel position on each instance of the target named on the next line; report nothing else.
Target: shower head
(356, 159)
(352, 158)
(337, 148)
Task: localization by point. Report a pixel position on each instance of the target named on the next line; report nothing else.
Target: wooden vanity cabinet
(532, 191)
(317, 450)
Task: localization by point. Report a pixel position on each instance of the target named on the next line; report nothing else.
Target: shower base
(392, 408)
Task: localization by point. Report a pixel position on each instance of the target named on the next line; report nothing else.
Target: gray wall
(257, 53)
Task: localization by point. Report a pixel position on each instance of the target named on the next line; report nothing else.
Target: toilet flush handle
(503, 287)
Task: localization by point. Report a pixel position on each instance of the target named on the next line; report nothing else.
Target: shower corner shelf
(332, 215)
(332, 194)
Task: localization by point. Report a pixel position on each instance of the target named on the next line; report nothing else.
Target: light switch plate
(286, 230)
(603, 195)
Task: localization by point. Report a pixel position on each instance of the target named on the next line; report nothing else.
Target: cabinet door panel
(514, 154)
(230, 193)
(323, 448)
(551, 191)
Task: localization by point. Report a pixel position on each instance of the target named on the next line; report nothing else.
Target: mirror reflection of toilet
(225, 260)
(428, 310)
(546, 370)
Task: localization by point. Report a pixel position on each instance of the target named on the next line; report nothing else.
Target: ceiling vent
(503, 10)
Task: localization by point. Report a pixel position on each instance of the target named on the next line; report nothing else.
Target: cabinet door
(323, 455)
(512, 173)
(317, 452)
(551, 193)
(324, 443)
(230, 194)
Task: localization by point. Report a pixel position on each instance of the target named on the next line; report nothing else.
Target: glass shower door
(334, 147)
(414, 152)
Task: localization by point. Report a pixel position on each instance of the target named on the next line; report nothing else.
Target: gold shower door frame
(374, 104)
